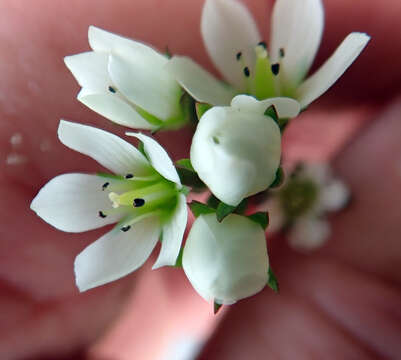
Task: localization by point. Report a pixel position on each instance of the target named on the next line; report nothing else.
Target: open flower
(226, 261)
(236, 149)
(126, 82)
(144, 198)
(236, 48)
(302, 203)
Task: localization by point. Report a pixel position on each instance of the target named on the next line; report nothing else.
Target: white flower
(302, 203)
(236, 150)
(226, 261)
(234, 44)
(126, 82)
(143, 198)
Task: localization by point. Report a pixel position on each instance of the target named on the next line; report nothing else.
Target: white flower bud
(226, 261)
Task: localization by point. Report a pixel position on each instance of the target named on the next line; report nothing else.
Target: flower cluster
(235, 151)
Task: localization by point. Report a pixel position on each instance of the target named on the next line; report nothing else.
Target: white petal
(113, 108)
(116, 254)
(90, 70)
(72, 202)
(334, 196)
(199, 83)
(227, 28)
(297, 28)
(227, 261)
(144, 81)
(308, 233)
(285, 107)
(107, 149)
(173, 233)
(236, 153)
(104, 41)
(158, 157)
(332, 69)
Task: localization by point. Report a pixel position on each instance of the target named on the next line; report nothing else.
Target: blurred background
(156, 315)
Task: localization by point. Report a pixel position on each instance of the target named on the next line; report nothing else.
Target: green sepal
(224, 210)
(216, 307)
(201, 108)
(272, 112)
(186, 164)
(199, 208)
(272, 282)
(178, 262)
(213, 201)
(261, 218)
(278, 181)
(282, 123)
(190, 178)
(241, 208)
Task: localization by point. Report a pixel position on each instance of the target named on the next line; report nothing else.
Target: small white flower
(144, 198)
(126, 82)
(234, 44)
(302, 203)
(226, 261)
(236, 149)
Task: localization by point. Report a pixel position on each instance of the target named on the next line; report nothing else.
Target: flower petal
(297, 28)
(334, 196)
(107, 149)
(173, 233)
(116, 254)
(199, 83)
(114, 108)
(227, 261)
(285, 107)
(158, 157)
(236, 153)
(332, 69)
(141, 77)
(227, 28)
(71, 202)
(308, 233)
(90, 70)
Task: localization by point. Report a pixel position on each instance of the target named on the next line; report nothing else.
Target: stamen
(281, 52)
(105, 185)
(126, 228)
(129, 176)
(263, 43)
(238, 56)
(114, 199)
(111, 89)
(275, 69)
(247, 73)
(102, 215)
(138, 202)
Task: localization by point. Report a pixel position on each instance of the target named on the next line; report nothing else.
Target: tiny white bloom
(236, 149)
(302, 203)
(126, 82)
(226, 261)
(144, 198)
(234, 44)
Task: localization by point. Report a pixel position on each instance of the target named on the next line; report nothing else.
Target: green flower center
(139, 197)
(298, 197)
(261, 83)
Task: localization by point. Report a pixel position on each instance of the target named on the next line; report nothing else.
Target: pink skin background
(342, 302)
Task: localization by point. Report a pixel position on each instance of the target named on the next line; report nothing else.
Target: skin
(348, 292)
